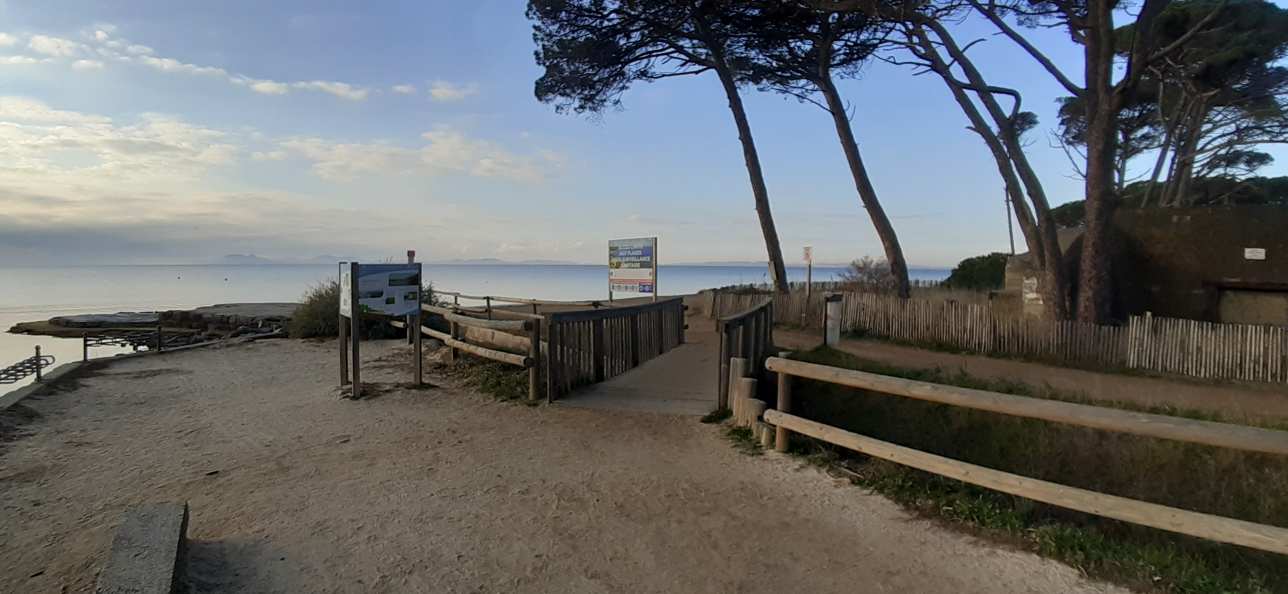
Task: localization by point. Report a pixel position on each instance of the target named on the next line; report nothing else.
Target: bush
(319, 313)
(869, 276)
(980, 273)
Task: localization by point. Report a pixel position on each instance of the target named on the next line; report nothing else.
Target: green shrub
(319, 312)
(980, 273)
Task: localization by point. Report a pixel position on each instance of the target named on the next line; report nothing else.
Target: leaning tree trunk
(1094, 283)
(758, 189)
(867, 194)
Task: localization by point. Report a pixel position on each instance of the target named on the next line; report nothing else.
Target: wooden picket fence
(1168, 345)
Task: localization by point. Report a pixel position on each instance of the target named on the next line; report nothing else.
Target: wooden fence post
(534, 352)
(159, 343)
(784, 406)
(722, 390)
(37, 363)
(452, 352)
(737, 371)
(552, 360)
(84, 346)
(597, 349)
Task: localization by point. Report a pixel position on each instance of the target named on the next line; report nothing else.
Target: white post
(832, 331)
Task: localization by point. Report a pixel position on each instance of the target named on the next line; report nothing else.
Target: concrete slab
(680, 382)
(146, 551)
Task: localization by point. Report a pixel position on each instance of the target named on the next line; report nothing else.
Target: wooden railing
(488, 300)
(748, 335)
(1208, 526)
(515, 342)
(593, 345)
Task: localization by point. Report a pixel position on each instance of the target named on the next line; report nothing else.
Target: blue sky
(162, 131)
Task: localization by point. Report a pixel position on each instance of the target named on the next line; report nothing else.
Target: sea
(38, 293)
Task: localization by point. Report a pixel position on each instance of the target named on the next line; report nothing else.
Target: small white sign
(808, 254)
(1254, 253)
(346, 282)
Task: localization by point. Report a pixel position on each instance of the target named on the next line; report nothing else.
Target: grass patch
(499, 380)
(716, 416)
(1241, 485)
(744, 440)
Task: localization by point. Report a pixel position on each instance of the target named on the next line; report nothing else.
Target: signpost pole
(654, 269)
(344, 335)
(412, 331)
(418, 381)
(355, 314)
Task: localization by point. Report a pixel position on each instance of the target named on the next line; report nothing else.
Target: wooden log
(737, 371)
(784, 406)
(497, 339)
(493, 354)
(504, 325)
(534, 370)
(1253, 439)
(746, 393)
(1217, 528)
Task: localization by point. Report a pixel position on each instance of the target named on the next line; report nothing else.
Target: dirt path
(1234, 401)
(444, 490)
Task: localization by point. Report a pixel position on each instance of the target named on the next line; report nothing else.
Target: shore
(444, 489)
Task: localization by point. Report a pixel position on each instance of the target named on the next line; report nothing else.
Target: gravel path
(445, 490)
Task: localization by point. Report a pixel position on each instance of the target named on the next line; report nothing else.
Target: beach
(445, 490)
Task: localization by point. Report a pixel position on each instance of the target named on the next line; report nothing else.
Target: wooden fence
(593, 345)
(1211, 527)
(515, 342)
(1168, 345)
(745, 335)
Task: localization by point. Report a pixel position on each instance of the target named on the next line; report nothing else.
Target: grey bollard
(832, 328)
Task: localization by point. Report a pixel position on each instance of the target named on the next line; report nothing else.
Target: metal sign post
(380, 289)
(355, 329)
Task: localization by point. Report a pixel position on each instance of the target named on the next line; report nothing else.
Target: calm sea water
(28, 294)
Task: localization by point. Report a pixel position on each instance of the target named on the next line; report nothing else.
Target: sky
(160, 131)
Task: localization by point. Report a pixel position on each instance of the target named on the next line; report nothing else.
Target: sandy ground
(445, 490)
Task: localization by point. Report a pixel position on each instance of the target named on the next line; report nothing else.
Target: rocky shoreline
(213, 322)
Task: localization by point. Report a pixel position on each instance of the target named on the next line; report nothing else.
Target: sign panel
(1254, 253)
(346, 304)
(389, 289)
(632, 265)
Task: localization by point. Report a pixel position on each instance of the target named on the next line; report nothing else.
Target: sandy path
(444, 490)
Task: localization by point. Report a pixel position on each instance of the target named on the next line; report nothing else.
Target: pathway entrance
(680, 382)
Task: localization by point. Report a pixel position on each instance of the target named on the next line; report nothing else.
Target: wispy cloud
(441, 90)
(101, 43)
(404, 89)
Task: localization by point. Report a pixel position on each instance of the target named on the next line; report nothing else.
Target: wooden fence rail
(1167, 345)
(748, 335)
(479, 336)
(594, 345)
(1217, 528)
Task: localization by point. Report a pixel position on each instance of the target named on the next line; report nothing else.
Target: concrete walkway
(680, 382)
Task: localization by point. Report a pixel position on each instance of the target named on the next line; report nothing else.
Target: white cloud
(7, 40)
(25, 110)
(441, 90)
(404, 89)
(269, 155)
(172, 65)
(265, 87)
(18, 60)
(101, 35)
(84, 65)
(446, 151)
(339, 89)
(53, 46)
(139, 50)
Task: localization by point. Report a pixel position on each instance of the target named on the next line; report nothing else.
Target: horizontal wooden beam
(1221, 529)
(746, 312)
(493, 354)
(613, 312)
(1226, 435)
(514, 325)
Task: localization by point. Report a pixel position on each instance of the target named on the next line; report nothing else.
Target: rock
(124, 318)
